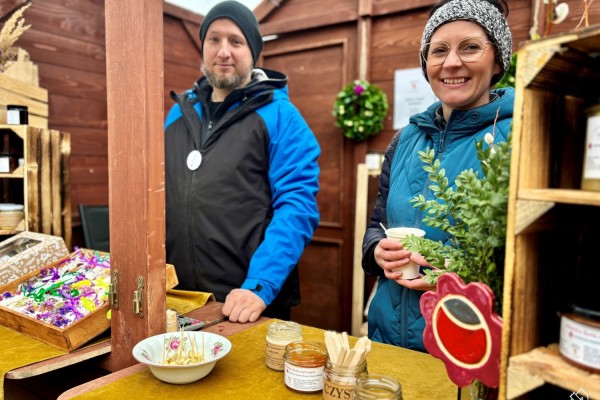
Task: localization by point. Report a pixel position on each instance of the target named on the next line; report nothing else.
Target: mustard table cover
(242, 374)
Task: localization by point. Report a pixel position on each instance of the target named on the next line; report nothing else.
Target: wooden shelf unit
(552, 224)
(41, 183)
(544, 364)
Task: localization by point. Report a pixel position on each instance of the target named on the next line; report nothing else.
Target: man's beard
(229, 83)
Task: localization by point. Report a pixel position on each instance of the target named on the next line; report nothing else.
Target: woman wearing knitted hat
(465, 49)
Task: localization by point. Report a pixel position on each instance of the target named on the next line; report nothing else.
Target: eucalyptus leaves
(474, 213)
(360, 109)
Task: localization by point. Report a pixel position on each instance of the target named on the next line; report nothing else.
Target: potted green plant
(474, 212)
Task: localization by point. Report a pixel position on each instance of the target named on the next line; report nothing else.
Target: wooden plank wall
(67, 42)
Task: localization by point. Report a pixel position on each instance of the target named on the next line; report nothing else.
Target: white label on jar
(274, 355)
(580, 342)
(333, 390)
(13, 117)
(591, 166)
(303, 379)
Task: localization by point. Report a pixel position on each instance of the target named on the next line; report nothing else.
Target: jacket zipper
(404, 319)
(439, 151)
(190, 236)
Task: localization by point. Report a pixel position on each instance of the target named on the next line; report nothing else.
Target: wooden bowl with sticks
(181, 357)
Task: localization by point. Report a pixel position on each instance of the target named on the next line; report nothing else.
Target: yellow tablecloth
(19, 350)
(184, 301)
(242, 374)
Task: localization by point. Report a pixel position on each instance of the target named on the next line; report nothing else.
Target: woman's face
(462, 85)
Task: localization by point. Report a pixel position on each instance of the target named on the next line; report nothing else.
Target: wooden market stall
(320, 52)
(108, 67)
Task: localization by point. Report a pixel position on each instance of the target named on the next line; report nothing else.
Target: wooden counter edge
(99, 382)
(224, 328)
(55, 363)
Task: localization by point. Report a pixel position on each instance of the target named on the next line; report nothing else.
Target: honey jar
(304, 362)
(280, 334)
(580, 337)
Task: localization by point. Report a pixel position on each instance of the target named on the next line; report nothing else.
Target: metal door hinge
(113, 290)
(138, 298)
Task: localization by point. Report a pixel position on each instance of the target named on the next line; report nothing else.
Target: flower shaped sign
(463, 330)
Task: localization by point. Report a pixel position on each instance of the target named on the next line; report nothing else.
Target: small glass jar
(339, 381)
(304, 363)
(591, 164)
(172, 323)
(280, 334)
(377, 387)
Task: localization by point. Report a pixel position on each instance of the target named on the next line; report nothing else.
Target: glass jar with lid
(339, 380)
(279, 335)
(377, 387)
(304, 362)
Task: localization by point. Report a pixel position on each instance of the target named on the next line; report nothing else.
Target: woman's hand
(391, 255)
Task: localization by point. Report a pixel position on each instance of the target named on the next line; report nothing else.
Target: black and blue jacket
(243, 218)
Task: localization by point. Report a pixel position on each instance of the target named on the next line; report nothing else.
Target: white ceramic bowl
(154, 350)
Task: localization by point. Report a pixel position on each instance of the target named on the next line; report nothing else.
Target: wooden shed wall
(66, 41)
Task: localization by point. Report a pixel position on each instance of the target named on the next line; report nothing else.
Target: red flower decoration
(463, 330)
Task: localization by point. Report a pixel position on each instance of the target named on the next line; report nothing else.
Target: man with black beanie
(241, 175)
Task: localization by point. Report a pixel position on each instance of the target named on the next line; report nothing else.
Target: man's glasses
(468, 49)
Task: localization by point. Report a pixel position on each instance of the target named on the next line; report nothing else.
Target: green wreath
(360, 109)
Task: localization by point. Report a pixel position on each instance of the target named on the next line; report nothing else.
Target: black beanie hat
(243, 17)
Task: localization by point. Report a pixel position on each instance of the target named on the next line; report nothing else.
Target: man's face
(227, 59)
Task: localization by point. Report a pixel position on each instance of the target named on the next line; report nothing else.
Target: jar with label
(580, 337)
(377, 387)
(172, 323)
(304, 362)
(280, 334)
(339, 380)
(591, 160)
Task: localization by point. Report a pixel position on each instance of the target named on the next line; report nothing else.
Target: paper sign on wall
(412, 95)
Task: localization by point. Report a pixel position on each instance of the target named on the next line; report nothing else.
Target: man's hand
(243, 305)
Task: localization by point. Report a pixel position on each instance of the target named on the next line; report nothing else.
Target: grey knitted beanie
(243, 17)
(483, 14)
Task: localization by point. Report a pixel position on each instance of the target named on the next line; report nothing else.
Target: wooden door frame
(135, 84)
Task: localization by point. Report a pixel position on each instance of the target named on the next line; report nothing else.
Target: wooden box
(16, 91)
(28, 252)
(68, 338)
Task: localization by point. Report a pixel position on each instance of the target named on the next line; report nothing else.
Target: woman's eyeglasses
(468, 49)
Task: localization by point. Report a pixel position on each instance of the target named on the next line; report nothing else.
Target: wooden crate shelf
(44, 189)
(545, 365)
(556, 82)
(14, 91)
